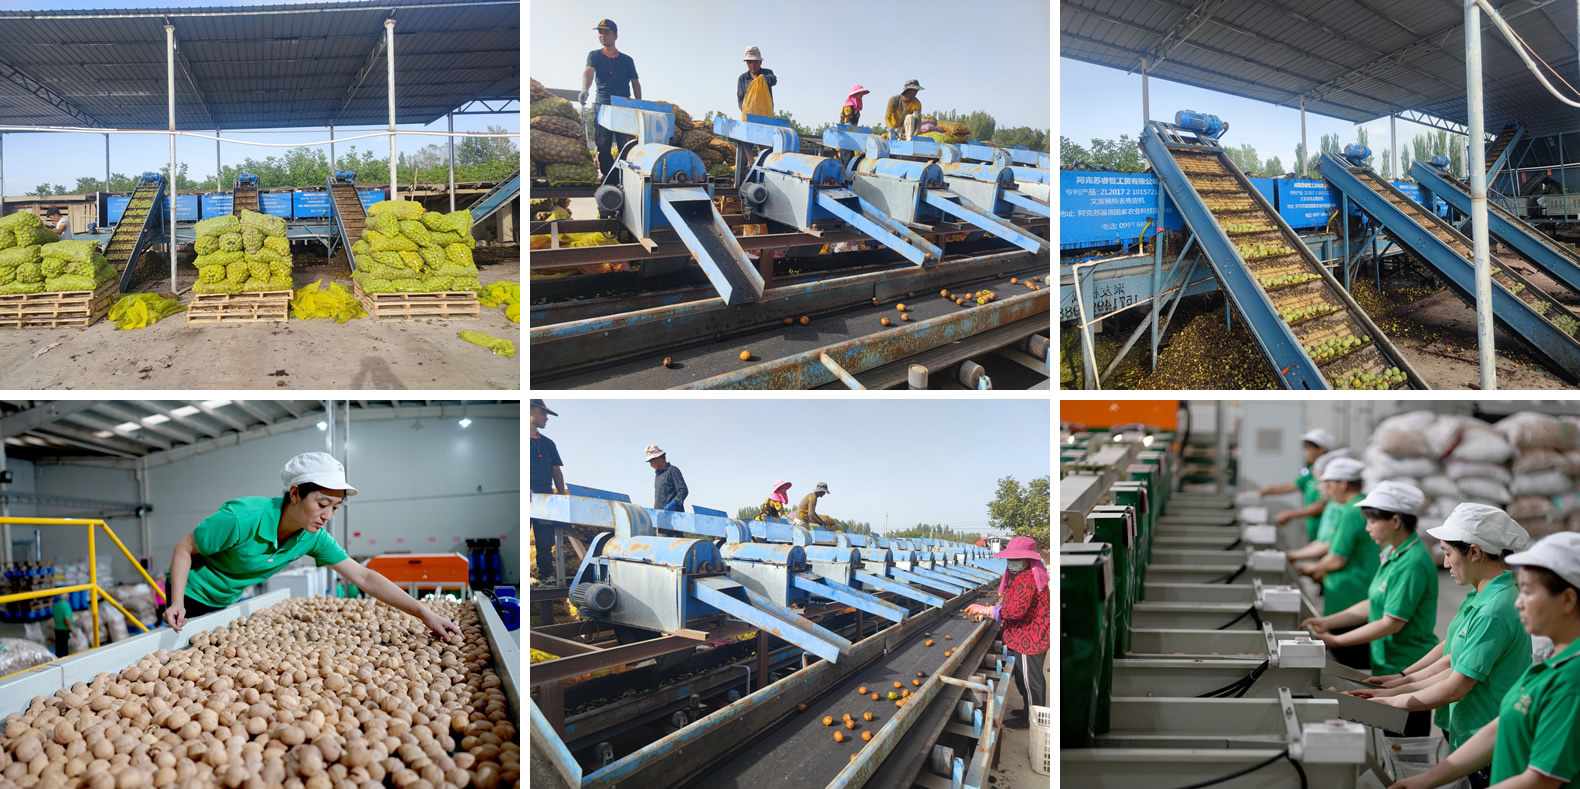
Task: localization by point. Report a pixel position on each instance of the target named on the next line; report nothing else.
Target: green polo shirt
(239, 546)
(1440, 715)
(1487, 643)
(1344, 529)
(62, 612)
(1307, 484)
(1539, 721)
(1404, 587)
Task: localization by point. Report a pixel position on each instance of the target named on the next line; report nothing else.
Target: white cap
(653, 452)
(1558, 552)
(1322, 438)
(1343, 468)
(319, 468)
(1322, 461)
(1393, 496)
(1484, 525)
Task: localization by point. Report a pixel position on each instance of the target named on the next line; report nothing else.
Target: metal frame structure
(92, 586)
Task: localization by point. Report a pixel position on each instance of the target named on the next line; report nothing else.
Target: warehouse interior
(1173, 500)
(434, 522)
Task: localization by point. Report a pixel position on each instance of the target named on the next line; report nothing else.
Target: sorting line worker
(806, 511)
(1399, 614)
(1347, 558)
(615, 73)
(252, 538)
(1024, 612)
(1535, 740)
(777, 503)
(1485, 650)
(1313, 445)
(62, 613)
(669, 487)
(545, 477)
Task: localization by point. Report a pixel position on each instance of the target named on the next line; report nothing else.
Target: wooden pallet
(270, 306)
(62, 309)
(454, 305)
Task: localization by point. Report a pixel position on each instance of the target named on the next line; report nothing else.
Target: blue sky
(927, 461)
(31, 159)
(991, 56)
(1102, 102)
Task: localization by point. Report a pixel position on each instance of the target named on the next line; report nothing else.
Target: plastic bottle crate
(1041, 740)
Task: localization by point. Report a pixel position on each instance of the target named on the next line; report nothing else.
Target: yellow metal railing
(93, 571)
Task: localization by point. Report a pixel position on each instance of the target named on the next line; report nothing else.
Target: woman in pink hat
(850, 114)
(777, 502)
(1027, 620)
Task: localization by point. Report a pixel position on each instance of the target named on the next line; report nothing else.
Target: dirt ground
(1434, 328)
(317, 354)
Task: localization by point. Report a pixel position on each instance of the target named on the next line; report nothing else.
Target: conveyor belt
(697, 362)
(1523, 309)
(800, 752)
(1552, 258)
(349, 217)
(1506, 137)
(244, 198)
(502, 193)
(133, 233)
(1307, 325)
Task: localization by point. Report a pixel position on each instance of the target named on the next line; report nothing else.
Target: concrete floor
(318, 354)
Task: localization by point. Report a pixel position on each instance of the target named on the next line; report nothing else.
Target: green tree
(46, 190)
(1300, 159)
(1245, 158)
(1119, 156)
(1035, 139)
(1274, 167)
(1022, 510)
(933, 531)
(747, 513)
(1071, 152)
(1404, 162)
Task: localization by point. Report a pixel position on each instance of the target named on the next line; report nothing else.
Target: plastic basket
(1041, 740)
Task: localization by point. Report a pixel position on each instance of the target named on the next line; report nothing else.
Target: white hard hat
(1390, 496)
(1343, 468)
(319, 468)
(1322, 438)
(1558, 552)
(1484, 525)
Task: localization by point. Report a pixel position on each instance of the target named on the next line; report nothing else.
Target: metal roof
(257, 67)
(1352, 59)
(169, 429)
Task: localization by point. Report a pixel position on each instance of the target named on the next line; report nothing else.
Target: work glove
(673, 506)
(581, 98)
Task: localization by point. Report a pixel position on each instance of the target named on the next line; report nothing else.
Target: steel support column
(1478, 198)
(1157, 256)
(219, 168)
(332, 165)
(1305, 150)
(106, 171)
(1146, 113)
(389, 56)
(170, 69)
(450, 120)
(1393, 144)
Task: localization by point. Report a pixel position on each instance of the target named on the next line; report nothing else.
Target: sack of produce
(22, 287)
(211, 274)
(584, 174)
(695, 140)
(7, 274)
(386, 224)
(270, 225)
(52, 267)
(554, 124)
(955, 129)
(230, 242)
(7, 239)
(415, 231)
(547, 148)
(382, 243)
(554, 106)
(29, 272)
(68, 283)
(251, 239)
(16, 256)
(219, 225)
(459, 253)
(236, 273)
(411, 259)
(402, 209)
(710, 157)
(205, 244)
(34, 236)
(432, 257)
(137, 311)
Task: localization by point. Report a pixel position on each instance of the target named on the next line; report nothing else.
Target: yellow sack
(500, 347)
(758, 100)
(513, 311)
(310, 302)
(496, 293)
(141, 310)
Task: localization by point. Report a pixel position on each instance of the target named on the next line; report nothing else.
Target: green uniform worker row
(1347, 559)
(1317, 446)
(250, 539)
(1532, 737)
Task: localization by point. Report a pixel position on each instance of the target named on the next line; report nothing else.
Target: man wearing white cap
(1535, 740)
(754, 69)
(1346, 556)
(1313, 444)
(669, 487)
(252, 538)
(1399, 613)
(1486, 650)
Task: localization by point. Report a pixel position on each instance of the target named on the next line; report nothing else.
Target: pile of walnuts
(312, 693)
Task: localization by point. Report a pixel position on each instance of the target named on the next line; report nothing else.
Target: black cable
(1231, 546)
(1247, 771)
(1251, 612)
(1229, 579)
(1237, 689)
(1300, 771)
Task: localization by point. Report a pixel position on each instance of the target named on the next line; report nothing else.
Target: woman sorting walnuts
(251, 539)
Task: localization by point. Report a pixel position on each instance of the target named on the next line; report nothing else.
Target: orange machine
(1162, 414)
(418, 571)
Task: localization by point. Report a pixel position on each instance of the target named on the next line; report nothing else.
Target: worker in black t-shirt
(615, 73)
(545, 477)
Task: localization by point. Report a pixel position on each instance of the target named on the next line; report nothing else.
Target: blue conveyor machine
(989, 182)
(656, 186)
